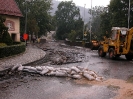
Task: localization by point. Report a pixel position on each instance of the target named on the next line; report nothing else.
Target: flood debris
(75, 72)
(64, 57)
(57, 54)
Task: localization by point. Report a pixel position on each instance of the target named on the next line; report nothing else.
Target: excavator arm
(130, 40)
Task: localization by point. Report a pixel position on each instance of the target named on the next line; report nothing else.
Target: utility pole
(129, 15)
(25, 31)
(84, 22)
(90, 20)
(25, 36)
(26, 1)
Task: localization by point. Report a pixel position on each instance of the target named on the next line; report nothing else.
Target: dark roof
(9, 7)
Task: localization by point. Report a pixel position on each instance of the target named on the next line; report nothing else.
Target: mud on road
(58, 53)
(73, 54)
(118, 82)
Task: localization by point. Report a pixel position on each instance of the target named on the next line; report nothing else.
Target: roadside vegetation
(67, 21)
(7, 46)
(39, 20)
(114, 15)
(5, 38)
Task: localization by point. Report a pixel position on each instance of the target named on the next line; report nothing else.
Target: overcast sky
(87, 3)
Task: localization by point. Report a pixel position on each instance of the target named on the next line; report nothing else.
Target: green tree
(96, 30)
(22, 7)
(116, 15)
(105, 25)
(79, 28)
(38, 16)
(7, 38)
(4, 35)
(118, 11)
(72, 36)
(68, 18)
(2, 27)
(53, 23)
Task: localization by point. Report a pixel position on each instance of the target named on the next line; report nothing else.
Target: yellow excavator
(120, 43)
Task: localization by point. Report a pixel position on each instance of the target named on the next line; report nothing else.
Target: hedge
(12, 50)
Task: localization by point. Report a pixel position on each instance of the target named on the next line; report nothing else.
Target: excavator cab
(122, 39)
(123, 35)
(114, 35)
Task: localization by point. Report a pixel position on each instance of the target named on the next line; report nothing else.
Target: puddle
(130, 79)
(62, 89)
(123, 89)
(113, 88)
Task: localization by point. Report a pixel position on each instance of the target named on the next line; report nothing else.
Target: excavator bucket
(94, 45)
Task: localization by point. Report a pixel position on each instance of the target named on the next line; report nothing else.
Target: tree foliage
(95, 21)
(68, 18)
(38, 16)
(6, 38)
(115, 15)
(118, 10)
(105, 25)
(72, 35)
(2, 26)
(4, 35)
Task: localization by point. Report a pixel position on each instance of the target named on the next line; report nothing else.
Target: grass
(3, 45)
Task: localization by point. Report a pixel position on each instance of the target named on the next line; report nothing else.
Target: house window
(10, 24)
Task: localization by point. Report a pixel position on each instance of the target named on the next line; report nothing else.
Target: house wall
(13, 24)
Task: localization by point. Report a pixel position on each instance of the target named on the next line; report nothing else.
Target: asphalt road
(117, 83)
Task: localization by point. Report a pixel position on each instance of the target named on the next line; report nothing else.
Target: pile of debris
(58, 58)
(73, 72)
(61, 57)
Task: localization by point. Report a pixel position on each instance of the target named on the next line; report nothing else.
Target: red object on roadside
(25, 36)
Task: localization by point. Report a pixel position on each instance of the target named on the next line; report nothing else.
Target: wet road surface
(52, 88)
(116, 74)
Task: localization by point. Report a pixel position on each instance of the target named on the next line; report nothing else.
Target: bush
(7, 38)
(4, 35)
(3, 44)
(15, 43)
(12, 50)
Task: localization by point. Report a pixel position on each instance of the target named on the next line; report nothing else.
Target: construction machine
(120, 43)
(94, 45)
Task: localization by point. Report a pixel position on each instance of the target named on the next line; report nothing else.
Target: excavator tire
(129, 57)
(101, 53)
(94, 46)
(131, 47)
(111, 53)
